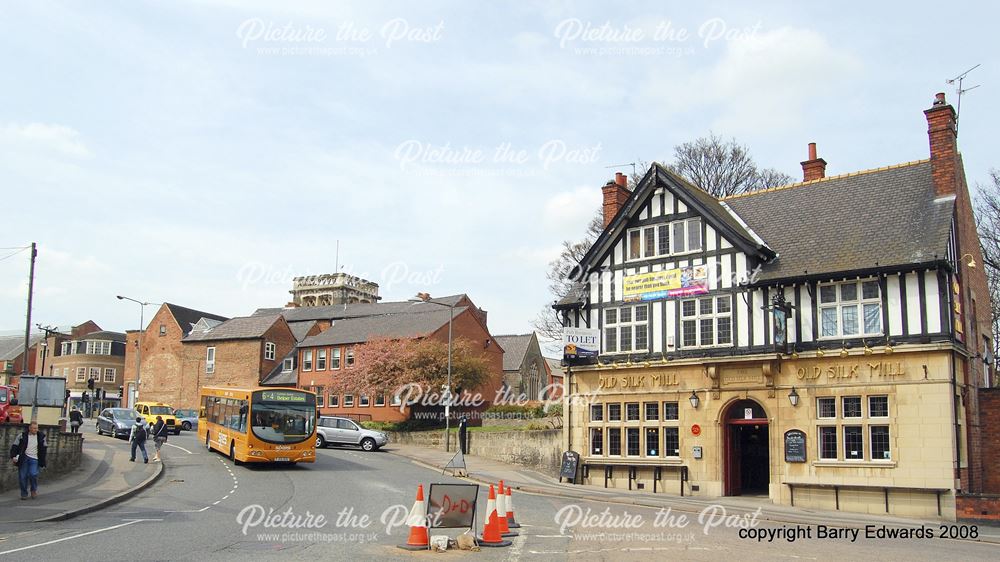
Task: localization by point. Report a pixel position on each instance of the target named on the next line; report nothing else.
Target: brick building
(87, 353)
(184, 350)
(337, 331)
(12, 357)
(822, 344)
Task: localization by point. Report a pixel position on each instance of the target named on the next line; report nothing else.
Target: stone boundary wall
(64, 455)
(534, 449)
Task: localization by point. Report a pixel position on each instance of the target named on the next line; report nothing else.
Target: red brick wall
(989, 410)
(978, 508)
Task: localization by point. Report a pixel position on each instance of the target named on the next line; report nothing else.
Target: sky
(205, 153)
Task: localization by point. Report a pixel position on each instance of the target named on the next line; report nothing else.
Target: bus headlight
(256, 453)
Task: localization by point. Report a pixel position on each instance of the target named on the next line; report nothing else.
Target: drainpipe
(954, 417)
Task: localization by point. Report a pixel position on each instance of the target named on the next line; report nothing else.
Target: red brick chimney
(943, 137)
(616, 194)
(814, 168)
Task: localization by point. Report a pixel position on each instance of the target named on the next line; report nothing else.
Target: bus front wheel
(208, 444)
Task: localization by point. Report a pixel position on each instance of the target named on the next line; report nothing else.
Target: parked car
(342, 431)
(150, 410)
(188, 418)
(116, 422)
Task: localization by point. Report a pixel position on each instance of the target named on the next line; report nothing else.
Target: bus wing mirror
(13, 401)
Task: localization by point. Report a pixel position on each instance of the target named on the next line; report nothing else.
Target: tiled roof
(405, 325)
(104, 335)
(12, 346)
(280, 377)
(300, 329)
(515, 347)
(339, 311)
(881, 218)
(246, 327)
(188, 317)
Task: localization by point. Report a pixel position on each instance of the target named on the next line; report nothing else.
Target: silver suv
(342, 431)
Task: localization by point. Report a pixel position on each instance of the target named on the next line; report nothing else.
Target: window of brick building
(321, 360)
(335, 358)
(307, 360)
(109, 375)
(210, 360)
(269, 351)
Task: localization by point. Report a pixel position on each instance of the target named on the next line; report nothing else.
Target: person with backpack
(159, 437)
(75, 419)
(138, 439)
(28, 453)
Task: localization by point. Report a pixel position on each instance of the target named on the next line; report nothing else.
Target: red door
(732, 463)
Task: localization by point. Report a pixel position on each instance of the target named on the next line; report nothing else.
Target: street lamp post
(425, 297)
(138, 340)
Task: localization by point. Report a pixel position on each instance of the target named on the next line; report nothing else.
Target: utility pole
(27, 333)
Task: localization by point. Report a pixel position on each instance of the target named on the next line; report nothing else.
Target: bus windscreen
(281, 416)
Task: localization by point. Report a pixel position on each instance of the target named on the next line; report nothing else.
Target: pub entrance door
(746, 463)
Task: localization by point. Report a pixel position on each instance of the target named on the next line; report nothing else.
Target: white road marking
(181, 448)
(189, 510)
(94, 532)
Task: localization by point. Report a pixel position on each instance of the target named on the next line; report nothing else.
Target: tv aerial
(960, 90)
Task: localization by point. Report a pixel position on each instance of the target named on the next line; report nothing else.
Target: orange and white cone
(502, 512)
(417, 521)
(491, 523)
(511, 522)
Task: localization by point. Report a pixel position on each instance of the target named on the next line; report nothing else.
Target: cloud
(763, 80)
(44, 137)
(568, 212)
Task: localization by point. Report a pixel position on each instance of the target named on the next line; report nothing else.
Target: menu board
(795, 446)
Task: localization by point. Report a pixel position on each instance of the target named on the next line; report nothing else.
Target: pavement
(486, 471)
(105, 477)
(353, 505)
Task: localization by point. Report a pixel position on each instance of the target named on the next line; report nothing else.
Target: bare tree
(547, 323)
(988, 214)
(722, 167)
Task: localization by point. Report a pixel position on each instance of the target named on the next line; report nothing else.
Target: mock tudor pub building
(818, 345)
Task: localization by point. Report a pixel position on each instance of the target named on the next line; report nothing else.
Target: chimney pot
(814, 168)
(616, 194)
(942, 136)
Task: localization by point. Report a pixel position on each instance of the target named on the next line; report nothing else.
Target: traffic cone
(491, 524)
(418, 524)
(502, 512)
(511, 522)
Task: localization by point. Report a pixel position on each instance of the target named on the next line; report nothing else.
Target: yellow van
(150, 410)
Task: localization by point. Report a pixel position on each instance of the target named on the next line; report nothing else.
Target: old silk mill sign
(653, 380)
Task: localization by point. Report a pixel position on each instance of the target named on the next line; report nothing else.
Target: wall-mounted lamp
(694, 400)
(868, 350)
(820, 352)
(793, 397)
(972, 261)
(843, 352)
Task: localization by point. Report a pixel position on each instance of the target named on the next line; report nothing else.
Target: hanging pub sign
(655, 285)
(795, 446)
(780, 311)
(581, 346)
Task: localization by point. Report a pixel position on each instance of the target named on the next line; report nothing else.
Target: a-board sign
(570, 463)
(795, 446)
(452, 506)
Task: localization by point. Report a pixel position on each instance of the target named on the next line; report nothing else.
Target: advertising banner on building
(655, 285)
(581, 346)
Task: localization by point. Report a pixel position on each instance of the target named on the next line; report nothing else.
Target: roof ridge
(821, 180)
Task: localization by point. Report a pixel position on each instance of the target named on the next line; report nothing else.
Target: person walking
(28, 453)
(159, 437)
(75, 420)
(137, 438)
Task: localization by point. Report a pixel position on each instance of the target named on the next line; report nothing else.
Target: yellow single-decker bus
(259, 425)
